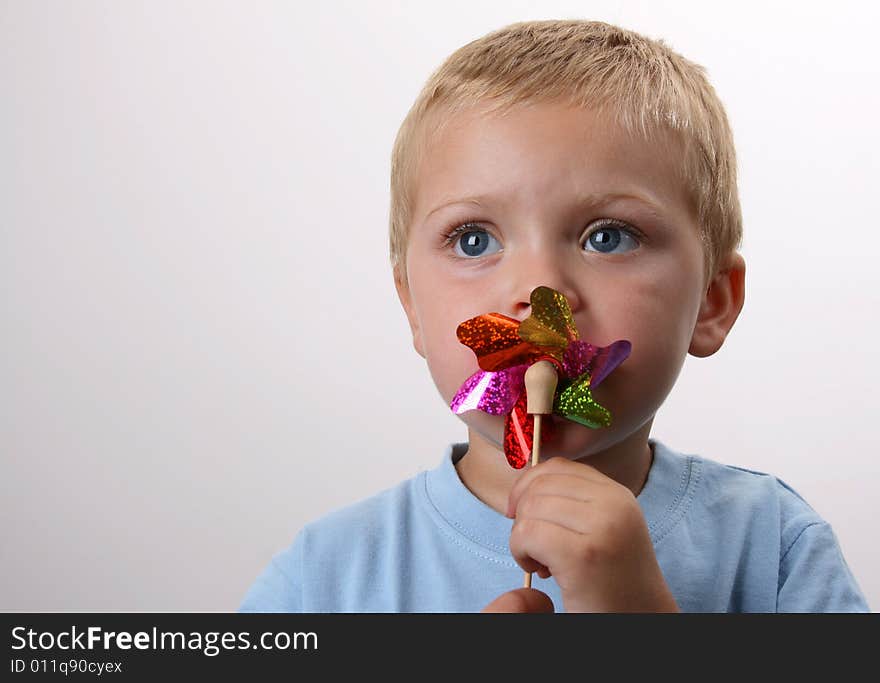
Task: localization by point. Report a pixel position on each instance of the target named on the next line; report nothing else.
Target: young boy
(589, 159)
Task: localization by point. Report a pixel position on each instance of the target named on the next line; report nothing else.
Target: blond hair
(645, 86)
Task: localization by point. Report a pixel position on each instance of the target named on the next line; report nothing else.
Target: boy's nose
(524, 307)
(546, 272)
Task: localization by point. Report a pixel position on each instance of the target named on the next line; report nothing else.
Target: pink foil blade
(492, 392)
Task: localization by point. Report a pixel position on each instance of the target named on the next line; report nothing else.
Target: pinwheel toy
(505, 350)
(533, 368)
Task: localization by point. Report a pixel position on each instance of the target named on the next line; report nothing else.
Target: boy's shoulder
(762, 546)
(742, 480)
(379, 509)
(731, 492)
(323, 567)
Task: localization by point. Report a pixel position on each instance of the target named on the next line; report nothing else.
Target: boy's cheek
(635, 390)
(447, 374)
(449, 361)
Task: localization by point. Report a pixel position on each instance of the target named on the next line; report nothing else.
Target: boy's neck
(483, 469)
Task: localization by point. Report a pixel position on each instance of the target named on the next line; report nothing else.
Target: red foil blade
(519, 431)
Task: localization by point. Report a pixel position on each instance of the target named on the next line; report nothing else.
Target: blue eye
(610, 239)
(472, 241)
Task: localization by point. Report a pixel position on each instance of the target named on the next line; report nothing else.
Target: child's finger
(537, 544)
(568, 513)
(561, 485)
(580, 475)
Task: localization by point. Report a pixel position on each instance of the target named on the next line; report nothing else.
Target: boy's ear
(405, 296)
(721, 305)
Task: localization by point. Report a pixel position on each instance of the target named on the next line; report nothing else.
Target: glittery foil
(551, 323)
(505, 348)
(576, 403)
(492, 392)
(577, 357)
(495, 339)
(519, 430)
(599, 361)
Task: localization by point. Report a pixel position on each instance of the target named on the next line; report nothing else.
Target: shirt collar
(660, 498)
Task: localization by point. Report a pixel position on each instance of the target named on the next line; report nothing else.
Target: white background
(202, 348)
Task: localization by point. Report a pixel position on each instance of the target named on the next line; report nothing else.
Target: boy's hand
(520, 601)
(587, 531)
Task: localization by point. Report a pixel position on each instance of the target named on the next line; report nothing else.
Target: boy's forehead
(544, 150)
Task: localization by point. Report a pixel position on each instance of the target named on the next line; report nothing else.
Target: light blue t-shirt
(727, 540)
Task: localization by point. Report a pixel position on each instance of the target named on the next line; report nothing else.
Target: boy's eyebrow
(583, 202)
(464, 200)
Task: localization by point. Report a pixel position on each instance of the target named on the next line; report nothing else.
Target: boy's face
(556, 196)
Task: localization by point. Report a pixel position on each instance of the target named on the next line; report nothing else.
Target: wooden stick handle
(536, 455)
(541, 380)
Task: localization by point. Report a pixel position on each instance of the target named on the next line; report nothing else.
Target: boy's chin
(573, 441)
(569, 439)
